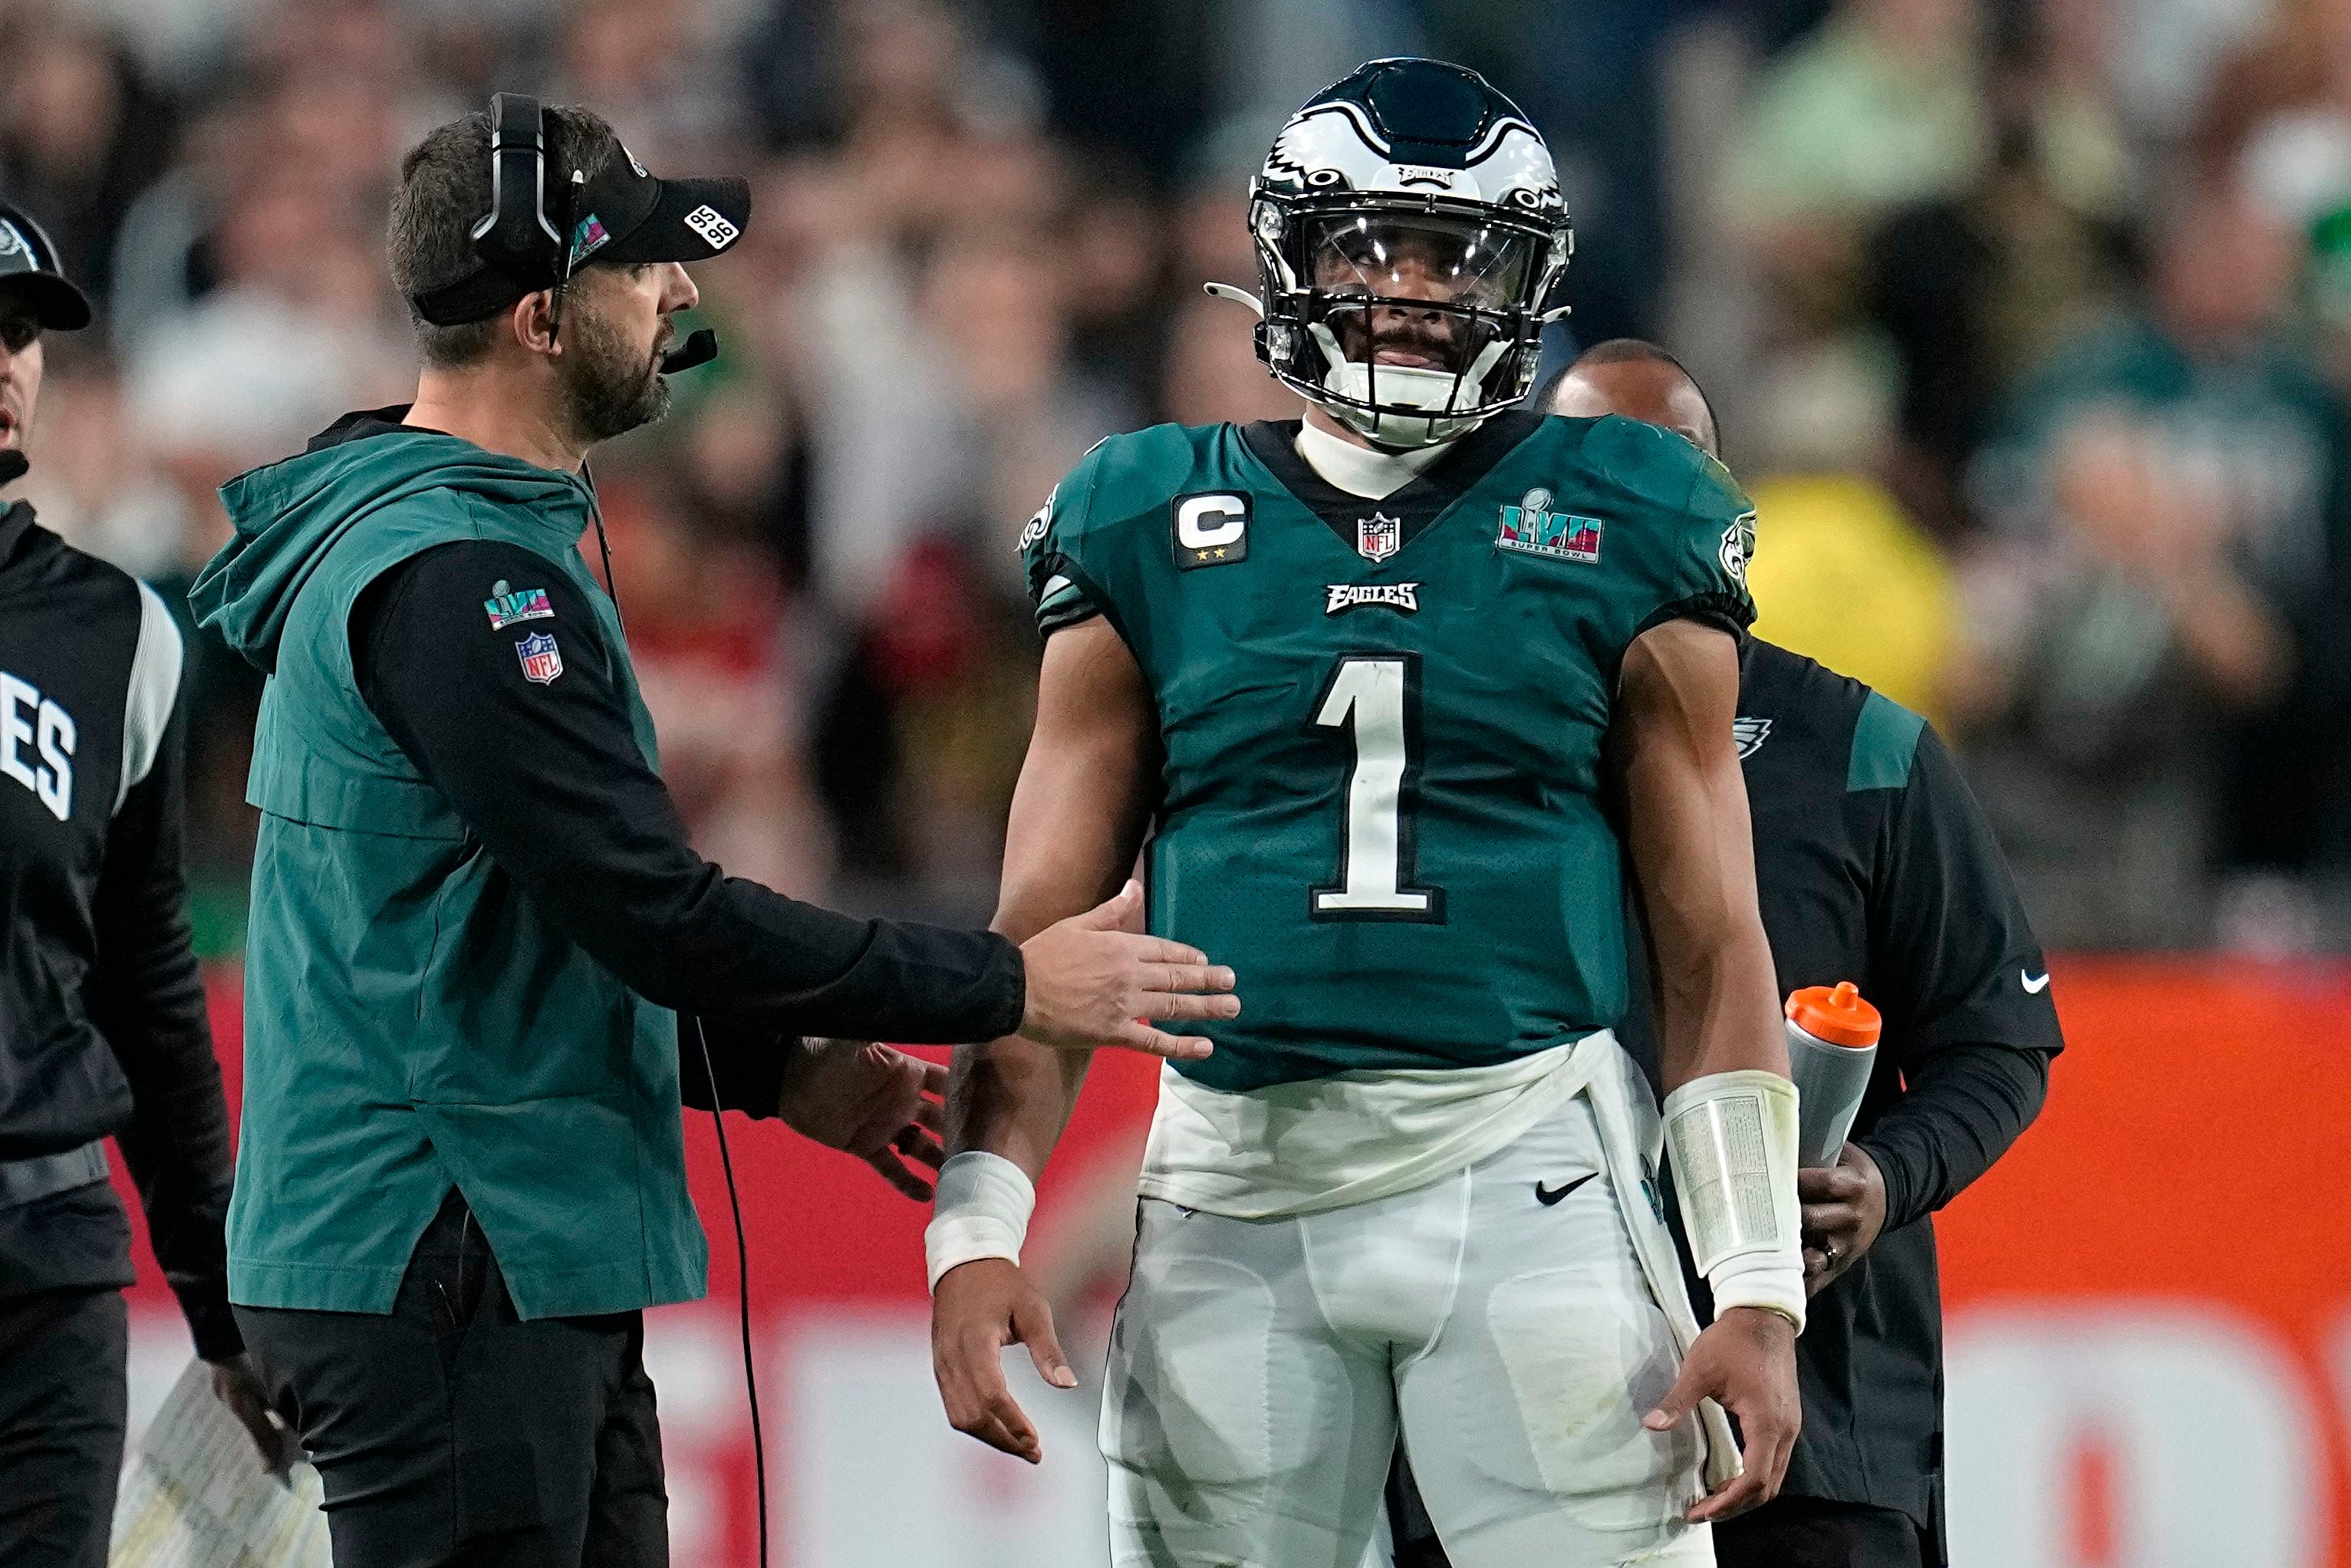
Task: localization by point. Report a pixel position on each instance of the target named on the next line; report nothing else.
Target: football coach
(1873, 864)
(102, 1024)
(482, 964)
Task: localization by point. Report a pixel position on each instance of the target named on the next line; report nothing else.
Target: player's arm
(1730, 1112)
(1079, 815)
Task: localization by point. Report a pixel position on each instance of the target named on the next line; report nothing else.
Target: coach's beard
(609, 389)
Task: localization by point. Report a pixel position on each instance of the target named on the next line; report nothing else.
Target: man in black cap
(102, 1029)
(462, 1175)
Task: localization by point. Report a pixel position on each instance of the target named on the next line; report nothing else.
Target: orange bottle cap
(1835, 1016)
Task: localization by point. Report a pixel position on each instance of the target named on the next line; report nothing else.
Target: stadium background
(2030, 323)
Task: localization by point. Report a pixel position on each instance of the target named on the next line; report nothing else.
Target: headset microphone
(700, 347)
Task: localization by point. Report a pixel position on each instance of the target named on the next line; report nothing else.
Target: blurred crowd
(2029, 323)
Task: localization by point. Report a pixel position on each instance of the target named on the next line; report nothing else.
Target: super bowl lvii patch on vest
(508, 605)
(541, 661)
(1532, 527)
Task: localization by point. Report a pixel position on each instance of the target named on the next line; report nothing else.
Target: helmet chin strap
(1438, 393)
(1435, 393)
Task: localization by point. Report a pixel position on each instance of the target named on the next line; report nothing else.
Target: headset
(520, 240)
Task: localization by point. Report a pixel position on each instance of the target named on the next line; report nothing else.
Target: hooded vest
(412, 1021)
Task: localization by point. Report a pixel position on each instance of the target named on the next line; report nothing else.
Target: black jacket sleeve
(547, 772)
(146, 996)
(1969, 1012)
(724, 1064)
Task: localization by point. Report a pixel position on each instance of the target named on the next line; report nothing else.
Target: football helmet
(1410, 240)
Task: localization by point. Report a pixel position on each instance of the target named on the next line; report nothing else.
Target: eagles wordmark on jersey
(1382, 721)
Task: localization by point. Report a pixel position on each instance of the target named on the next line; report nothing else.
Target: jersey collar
(1273, 442)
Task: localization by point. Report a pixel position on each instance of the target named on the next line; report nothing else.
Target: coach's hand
(1094, 980)
(238, 1383)
(1844, 1211)
(870, 1101)
(979, 1309)
(1745, 1361)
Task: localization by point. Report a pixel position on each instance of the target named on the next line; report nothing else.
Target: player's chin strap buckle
(1238, 296)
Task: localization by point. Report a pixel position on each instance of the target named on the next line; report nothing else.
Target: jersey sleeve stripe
(1885, 745)
(154, 687)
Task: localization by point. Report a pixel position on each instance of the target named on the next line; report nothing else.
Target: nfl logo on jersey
(1378, 537)
(540, 661)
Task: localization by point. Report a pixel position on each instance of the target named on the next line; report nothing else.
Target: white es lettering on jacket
(37, 742)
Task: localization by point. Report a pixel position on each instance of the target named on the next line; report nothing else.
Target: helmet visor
(1423, 290)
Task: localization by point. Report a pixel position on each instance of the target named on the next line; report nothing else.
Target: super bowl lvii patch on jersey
(1532, 527)
(541, 660)
(508, 605)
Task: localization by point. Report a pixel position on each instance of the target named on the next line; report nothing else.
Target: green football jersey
(1381, 799)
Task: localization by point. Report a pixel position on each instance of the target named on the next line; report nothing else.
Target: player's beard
(608, 387)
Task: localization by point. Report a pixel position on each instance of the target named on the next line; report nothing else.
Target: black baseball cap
(624, 216)
(29, 270)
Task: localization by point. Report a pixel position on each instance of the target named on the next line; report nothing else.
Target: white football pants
(1261, 1370)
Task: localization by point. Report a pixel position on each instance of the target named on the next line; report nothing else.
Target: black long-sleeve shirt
(548, 775)
(1874, 864)
(102, 1027)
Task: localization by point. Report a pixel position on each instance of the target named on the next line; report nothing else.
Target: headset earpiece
(517, 237)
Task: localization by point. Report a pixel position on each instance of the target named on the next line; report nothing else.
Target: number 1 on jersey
(1376, 696)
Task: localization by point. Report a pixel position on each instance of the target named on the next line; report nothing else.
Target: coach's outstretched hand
(1746, 1361)
(870, 1101)
(1094, 980)
(979, 1307)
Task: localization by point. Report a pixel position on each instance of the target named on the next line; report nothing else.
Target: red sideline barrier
(2149, 1299)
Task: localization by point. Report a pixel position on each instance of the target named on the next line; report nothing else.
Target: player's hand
(237, 1382)
(979, 1309)
(1094, 980)
(1844, 1211)
(1746, 1361)
(870, 1101)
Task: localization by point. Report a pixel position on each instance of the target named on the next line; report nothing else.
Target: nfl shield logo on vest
(1378, 537)
(540, 661)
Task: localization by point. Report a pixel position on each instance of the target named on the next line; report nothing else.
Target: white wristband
(982, 1211)
(1732, 1137)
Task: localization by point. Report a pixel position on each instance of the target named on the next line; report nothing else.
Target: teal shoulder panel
(1663, 469)
(1884, 744)
(1680, 530)
(1073, 549)
(1129, 475)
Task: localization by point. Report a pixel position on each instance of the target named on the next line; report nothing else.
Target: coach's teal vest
(412, 1021)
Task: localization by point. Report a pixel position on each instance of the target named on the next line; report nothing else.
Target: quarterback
(1396, 694)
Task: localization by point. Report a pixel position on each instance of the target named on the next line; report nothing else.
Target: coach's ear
(534, 323)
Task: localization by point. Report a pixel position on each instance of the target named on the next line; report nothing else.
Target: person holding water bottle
(1920, 1030)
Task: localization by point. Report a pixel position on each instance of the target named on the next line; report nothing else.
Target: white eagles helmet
(1410, 240)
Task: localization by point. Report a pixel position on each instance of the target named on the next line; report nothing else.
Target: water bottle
(1831, 1045)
